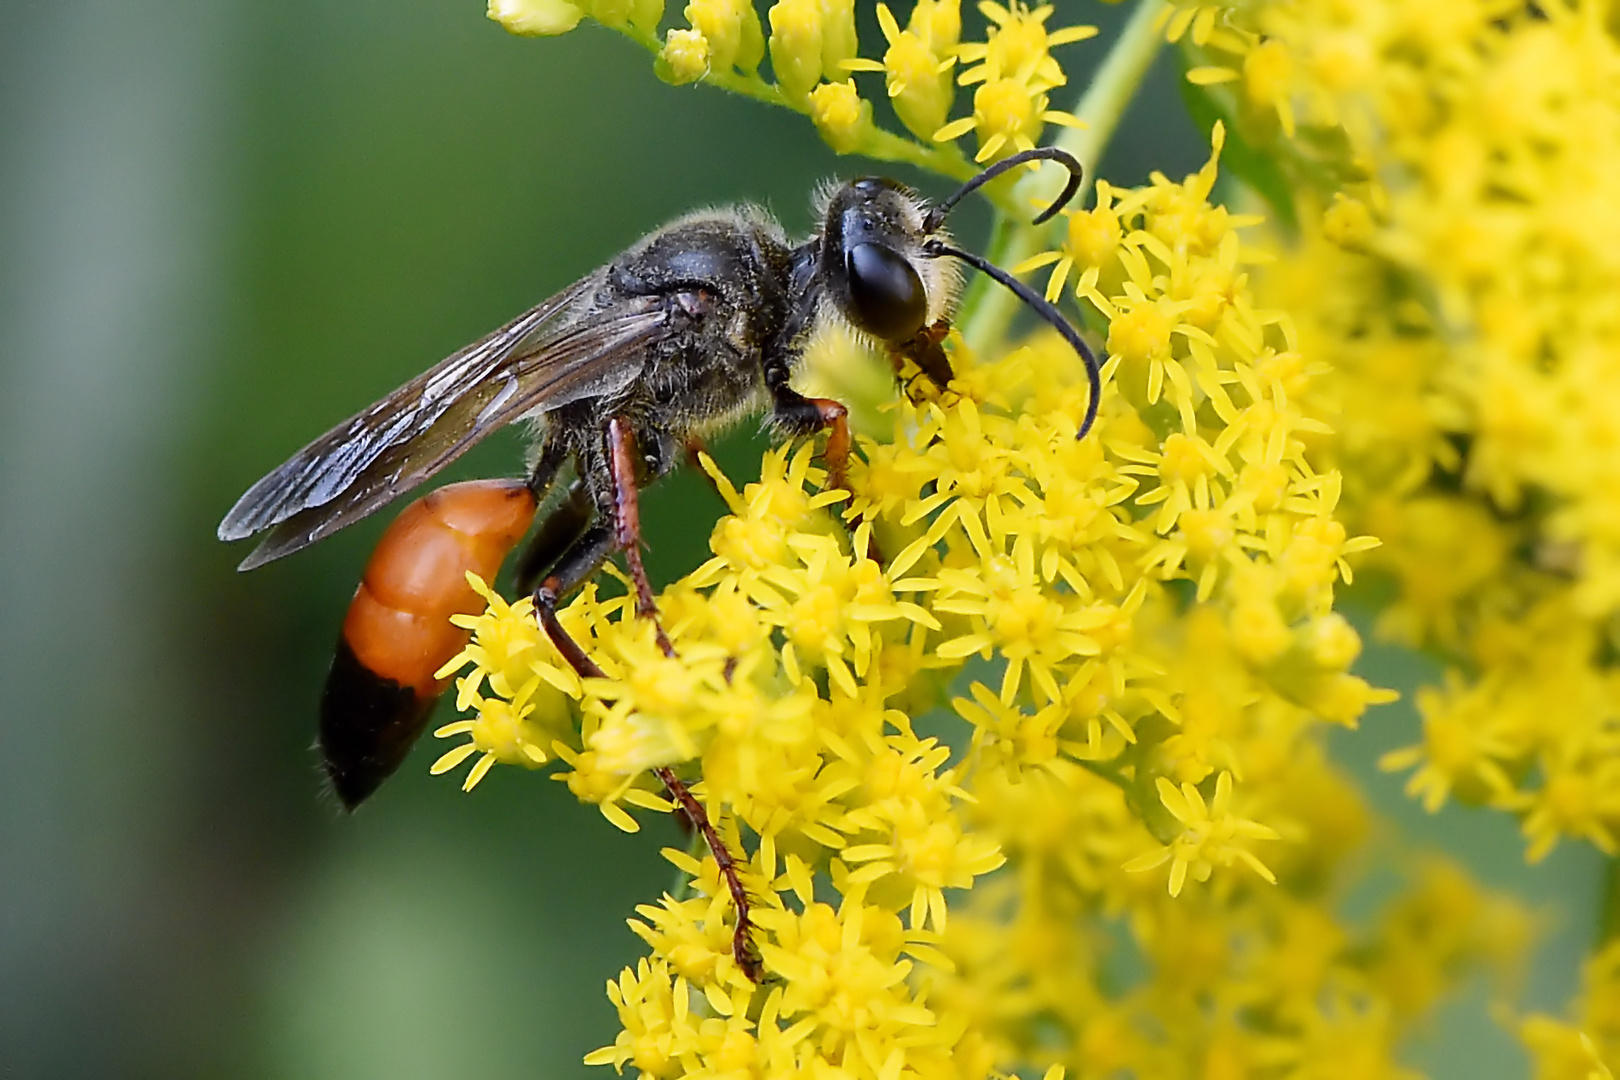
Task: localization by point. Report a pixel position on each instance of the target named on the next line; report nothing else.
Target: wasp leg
(622, 458)
(575, 564)
(545, 606)
(799, 415)
(742, 948)
(795, 414)
(565, 524)
(926, 350)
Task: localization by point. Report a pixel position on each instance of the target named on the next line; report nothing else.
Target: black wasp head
(874, 262)
(881, 259)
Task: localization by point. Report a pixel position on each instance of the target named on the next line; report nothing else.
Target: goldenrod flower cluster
(1451, 165)
(1462, 279)
(1017, 704)
(1147, 616)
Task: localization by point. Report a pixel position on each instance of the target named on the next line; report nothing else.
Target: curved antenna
(938, 248)
(936, 216)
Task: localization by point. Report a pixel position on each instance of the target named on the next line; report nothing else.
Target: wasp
(695, 326)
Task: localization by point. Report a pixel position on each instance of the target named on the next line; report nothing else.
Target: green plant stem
(1106, 770)
(1609, 915)
(987, 312)
(945, 158)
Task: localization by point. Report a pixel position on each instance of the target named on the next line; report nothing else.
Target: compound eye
(886, 293)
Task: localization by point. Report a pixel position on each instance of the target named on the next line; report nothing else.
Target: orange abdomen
(398, 633)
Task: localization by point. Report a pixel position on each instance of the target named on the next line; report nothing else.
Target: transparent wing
(560, 351)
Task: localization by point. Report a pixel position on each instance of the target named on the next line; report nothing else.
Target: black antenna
(1045, 310)
(937, 248)
(936, 216)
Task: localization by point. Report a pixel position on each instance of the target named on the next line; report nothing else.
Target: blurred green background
(223, 228)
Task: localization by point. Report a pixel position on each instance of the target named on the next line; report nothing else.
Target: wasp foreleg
(926, 350)
(799, 415)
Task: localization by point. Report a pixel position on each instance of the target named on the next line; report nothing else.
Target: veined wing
(559, 351)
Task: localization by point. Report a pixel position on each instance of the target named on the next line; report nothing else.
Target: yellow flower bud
(684, 58)
(1334, 643)
(1342, 699)
(838, 40)
(1259, 631)
(644, 15)
(1017, 48)
(732, 30)
(1093, 235)
(939, 24)
(1008, 116)
(921, 93)
(1139, 335)
(796, 46)
(536, 18)
(608, 12)
(840, 115)
(752, 49)
(1348, 222)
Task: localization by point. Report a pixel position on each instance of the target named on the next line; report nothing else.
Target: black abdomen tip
(368, 725)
